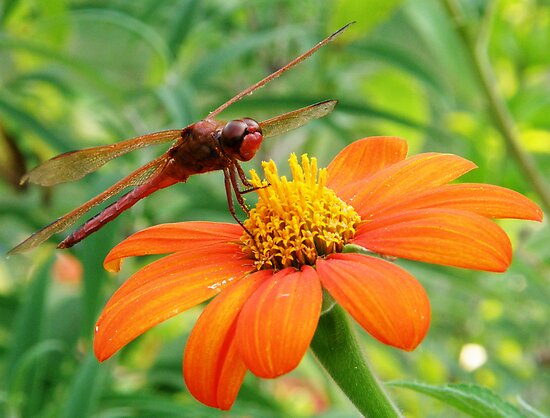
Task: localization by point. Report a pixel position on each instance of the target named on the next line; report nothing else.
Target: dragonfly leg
(230, 182)
(249, 186)
(242, 176)
(232, 171)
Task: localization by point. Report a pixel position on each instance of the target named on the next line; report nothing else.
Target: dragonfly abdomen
(115, 209)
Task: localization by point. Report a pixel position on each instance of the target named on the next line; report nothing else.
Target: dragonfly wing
(293, 120)
(74, 165)
(136, 178)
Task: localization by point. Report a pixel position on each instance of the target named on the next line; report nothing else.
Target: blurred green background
(79, 73)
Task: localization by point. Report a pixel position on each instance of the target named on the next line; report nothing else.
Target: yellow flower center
(294, 222)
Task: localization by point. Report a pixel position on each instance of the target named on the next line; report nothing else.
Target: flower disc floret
(296, 221)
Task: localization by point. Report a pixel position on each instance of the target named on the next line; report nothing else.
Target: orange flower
(270, 286)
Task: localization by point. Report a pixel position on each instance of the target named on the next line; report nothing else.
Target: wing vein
(74, 165)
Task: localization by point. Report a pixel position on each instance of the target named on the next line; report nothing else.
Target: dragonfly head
(241, 138)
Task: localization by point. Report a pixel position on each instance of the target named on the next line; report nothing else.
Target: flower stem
(498, 111)
(335, 346)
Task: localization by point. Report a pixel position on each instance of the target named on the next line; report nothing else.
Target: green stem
(335, 346)
(498, 111)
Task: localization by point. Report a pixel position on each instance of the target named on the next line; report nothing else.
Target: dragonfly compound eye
(233, 133)
(241, 138)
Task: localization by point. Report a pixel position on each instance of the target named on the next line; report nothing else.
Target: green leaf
(134, 27)
(85, 389)
(476, 401)
(52, 54)
(368, 13)
(6, 8)
(13, 112)
(144, 404)
(218, 59)
(532, 411)
(25, 373)
(34, 376)
(406, 59)
(28, 324)
(185, 16)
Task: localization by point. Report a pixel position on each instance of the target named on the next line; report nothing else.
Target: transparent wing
(293, 120)
(136, 178)
(74, 165)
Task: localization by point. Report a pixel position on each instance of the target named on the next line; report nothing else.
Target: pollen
(296, 221)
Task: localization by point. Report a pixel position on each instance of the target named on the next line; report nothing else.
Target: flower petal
(450, 237)
(170, 238)
(384, 299)
(278, 321)
(483, 199)
(163, 289)
(361, 159)
(412, 175)
(212, 368)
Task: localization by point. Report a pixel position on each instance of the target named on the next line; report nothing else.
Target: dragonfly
(203, 146)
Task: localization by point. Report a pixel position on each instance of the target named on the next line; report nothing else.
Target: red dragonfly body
(199, 150)
(204, 146)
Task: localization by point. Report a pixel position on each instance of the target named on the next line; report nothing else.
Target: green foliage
(475, 401)
(80, 73)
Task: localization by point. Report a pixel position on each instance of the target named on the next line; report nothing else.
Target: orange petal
(449, 237)
(212, 368)
(170, 238)
(278, 321)
(361, 159)
(384, 299)
(412, 175)
(483, 199)
(163, 289)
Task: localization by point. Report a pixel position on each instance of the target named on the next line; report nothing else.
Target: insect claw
(254, 188)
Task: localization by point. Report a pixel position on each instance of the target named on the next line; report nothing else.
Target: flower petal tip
(100, 353)
(112, 266)
(502, 267)
(538, 215)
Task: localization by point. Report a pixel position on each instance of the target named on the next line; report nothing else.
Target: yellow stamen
(294, 222)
